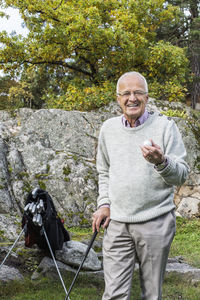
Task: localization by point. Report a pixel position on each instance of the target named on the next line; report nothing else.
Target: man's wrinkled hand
(153, 154)
(101, 215)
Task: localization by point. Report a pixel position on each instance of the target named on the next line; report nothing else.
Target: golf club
(84, 258)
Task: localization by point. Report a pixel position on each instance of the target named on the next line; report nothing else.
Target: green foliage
(2, 234)
(31, 88)
(175, 113)
(27, 186)
(42, 184)
(66, 170)
(20, 96)
(22, 174)
(166, 72)
(92, 42)
(184, 32)
(6, 82)
(84, 99)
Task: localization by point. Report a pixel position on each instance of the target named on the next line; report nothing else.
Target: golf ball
(147, 143)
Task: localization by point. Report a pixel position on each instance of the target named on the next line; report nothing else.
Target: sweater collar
(138, 122)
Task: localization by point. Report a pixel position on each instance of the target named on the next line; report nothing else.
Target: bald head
(132, 74)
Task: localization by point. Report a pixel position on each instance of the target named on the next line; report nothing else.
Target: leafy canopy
(95, 41)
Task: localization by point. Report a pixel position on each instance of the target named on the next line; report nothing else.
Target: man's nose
(132, 96)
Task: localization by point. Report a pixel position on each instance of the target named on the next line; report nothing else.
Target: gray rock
(72, 254)
(189, 207)
(56, 150)
(184, 269)
(9, 273)
(9, 228)
(47, 268)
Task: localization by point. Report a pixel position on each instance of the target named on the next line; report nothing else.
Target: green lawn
(187, 241)
(176, 287)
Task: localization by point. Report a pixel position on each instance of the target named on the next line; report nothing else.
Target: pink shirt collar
(138, 122)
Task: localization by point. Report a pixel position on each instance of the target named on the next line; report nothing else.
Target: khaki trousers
(150, 242)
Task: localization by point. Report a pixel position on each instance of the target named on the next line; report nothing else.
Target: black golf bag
(40, 212)
(42, 226)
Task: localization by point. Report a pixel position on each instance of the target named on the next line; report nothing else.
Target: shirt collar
(138, 122)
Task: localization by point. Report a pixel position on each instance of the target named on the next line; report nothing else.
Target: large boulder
(47, 268)
(56, 150)
(73, 253)
(9, 227)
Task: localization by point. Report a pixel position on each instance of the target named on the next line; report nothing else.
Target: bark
(195, 59)
(195, 54)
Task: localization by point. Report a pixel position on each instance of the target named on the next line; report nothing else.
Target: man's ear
(118, 100)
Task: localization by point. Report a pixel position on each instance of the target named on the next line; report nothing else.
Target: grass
(51, 289)
(187, 241)
(175, 287)
(79, 234)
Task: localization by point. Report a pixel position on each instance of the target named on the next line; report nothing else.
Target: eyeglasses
(127, 94)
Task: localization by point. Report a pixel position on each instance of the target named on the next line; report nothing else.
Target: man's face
(133, 106)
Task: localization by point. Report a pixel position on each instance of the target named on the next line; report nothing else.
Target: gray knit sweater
(134, 189)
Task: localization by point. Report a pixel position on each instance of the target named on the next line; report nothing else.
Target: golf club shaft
(55, 261)
(87, 251)
(12, 246)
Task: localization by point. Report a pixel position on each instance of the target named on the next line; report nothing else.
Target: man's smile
(136, 104)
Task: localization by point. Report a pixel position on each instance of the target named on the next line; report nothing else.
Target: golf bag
(40, 211)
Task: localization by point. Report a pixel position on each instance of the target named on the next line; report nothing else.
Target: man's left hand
(153, 154)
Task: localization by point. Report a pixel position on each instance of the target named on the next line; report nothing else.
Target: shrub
(84, 98)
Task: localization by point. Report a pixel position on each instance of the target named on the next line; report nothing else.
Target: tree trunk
(195, 93)
(194, 46)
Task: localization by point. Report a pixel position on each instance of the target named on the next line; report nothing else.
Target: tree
(93, 41)
(194, 47)
(20, 96)
(6, 82)
(185, 32)
(36, 82)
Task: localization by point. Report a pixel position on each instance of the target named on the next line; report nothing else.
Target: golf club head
(34, 193)
(40, 206)
(37, 220)
(31, 206)
(26, 208)
(33, 209)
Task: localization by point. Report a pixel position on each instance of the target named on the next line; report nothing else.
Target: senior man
(136, 191)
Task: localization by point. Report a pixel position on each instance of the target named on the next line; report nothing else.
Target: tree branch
(46, 15)
(59, 63)
(92, 66)
(58, 5)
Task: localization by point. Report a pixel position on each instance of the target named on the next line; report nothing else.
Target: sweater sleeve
(177, 170)
(103, 171)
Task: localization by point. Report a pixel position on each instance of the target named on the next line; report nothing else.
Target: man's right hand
(102, 213)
